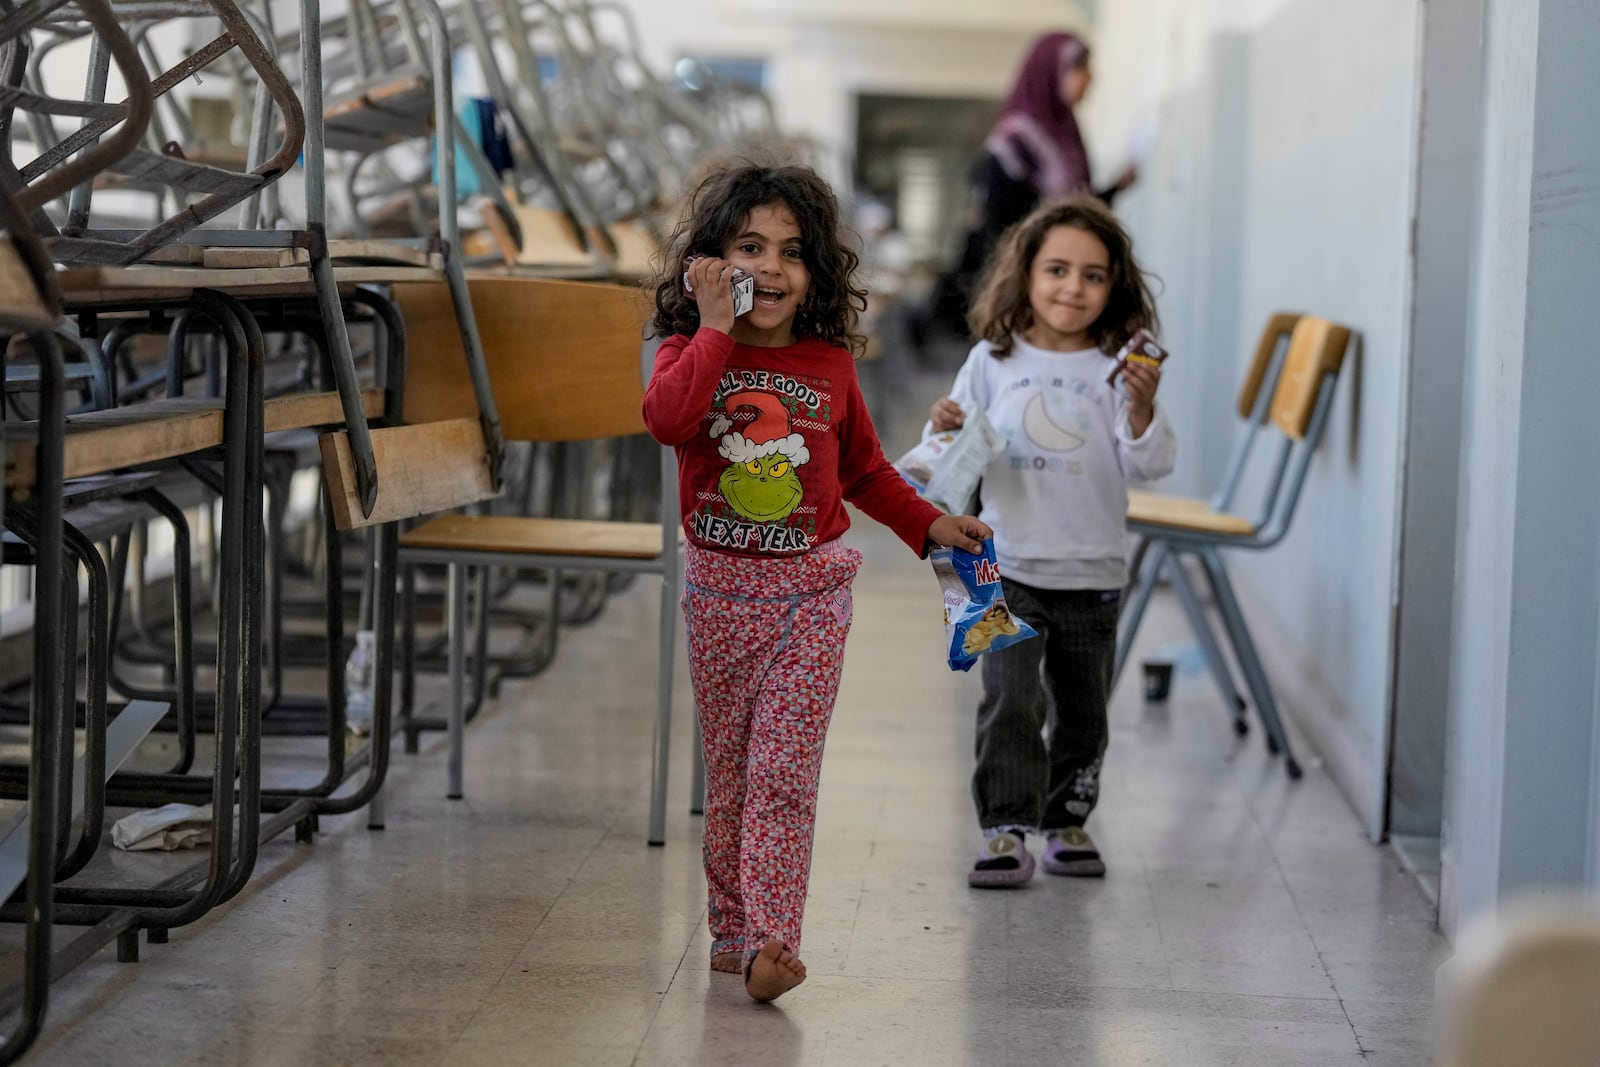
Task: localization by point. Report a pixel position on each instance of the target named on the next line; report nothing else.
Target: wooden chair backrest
(422, 469)
(30, 298)
(1278, 327)
(563, 357)
(1316, 349)
(22, 303)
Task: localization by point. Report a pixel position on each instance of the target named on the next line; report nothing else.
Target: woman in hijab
(1034, 153)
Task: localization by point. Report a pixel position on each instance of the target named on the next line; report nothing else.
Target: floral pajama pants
(766, 650)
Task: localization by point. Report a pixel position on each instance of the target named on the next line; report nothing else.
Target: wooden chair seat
(537, 537)
(100, 441)
(399, 110)
(156, 430)
(343, 253)
(1140, 501)
(1184, 513)
(85, 287)
(636, 248)
(550, 245)
(303, 411)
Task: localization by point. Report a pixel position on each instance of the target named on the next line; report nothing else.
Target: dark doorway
(913, 154)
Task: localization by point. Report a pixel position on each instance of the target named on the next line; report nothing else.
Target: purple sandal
(1072, 852)
(1003, 863)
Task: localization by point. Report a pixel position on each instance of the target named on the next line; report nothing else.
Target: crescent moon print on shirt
(1049, 423)
(1044, 431)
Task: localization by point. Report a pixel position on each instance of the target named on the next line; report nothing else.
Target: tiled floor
(1245, 920)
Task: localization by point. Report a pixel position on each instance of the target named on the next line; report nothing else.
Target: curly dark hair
(716, 213)
(1001, 308)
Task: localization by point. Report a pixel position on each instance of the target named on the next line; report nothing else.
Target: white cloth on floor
(167, 828)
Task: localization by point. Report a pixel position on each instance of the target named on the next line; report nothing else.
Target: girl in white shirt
(1061, 295)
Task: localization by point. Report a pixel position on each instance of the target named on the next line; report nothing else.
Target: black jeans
(1042, 721)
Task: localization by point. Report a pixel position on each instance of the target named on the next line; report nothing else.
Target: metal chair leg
(66, 639)
(1136, 562)
(1201, 625)
(1138, 600)
(456, 624)
(664, 671)
(48, 669)
(82, 551)
(408, 657)
(1244, 647)
(482, 594)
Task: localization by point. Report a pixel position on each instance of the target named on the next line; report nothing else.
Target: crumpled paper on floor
(165, 829)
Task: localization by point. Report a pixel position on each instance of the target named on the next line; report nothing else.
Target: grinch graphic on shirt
(761, 484)
(759, 504)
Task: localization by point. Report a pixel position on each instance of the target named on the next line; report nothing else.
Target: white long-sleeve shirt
(1058, 496)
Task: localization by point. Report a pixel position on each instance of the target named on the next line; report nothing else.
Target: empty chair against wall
(1173, 528)
(1252, 407)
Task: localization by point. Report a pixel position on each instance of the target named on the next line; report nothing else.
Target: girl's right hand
(712, 279)
(960, 531)
(946, 414)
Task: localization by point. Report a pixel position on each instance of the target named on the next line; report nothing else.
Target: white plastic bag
(171, 827)
(947, 467)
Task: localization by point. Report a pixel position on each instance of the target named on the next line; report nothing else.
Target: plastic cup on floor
(1157, 680)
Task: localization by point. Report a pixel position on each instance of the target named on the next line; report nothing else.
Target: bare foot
(727, 962)
(773, 972)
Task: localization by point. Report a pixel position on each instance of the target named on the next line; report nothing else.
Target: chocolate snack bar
(1141, 348)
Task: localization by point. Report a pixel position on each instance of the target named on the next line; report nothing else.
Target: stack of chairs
(195, 332)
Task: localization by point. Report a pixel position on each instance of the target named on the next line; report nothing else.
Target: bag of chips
(976, 618)
(947, 467)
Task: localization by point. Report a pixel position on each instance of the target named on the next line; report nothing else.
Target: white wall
(1491, 414)
(1307, 207)
(1330, 195)
(817, 66)
(1524, 750)
(1594, 773)
(1449, 150)
(1150, 54)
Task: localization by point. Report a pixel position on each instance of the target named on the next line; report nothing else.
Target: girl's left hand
(960, 531)
(1141, 381)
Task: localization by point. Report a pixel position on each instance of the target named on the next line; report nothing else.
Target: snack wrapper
(947, 467)
(976, 618)
(743, 285)
(1141, 348)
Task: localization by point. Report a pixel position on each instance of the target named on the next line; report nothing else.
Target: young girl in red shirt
(772, 437)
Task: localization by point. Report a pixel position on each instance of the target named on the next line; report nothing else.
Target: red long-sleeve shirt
(771, 442)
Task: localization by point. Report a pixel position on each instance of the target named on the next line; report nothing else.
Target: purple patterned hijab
(1036, 138)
